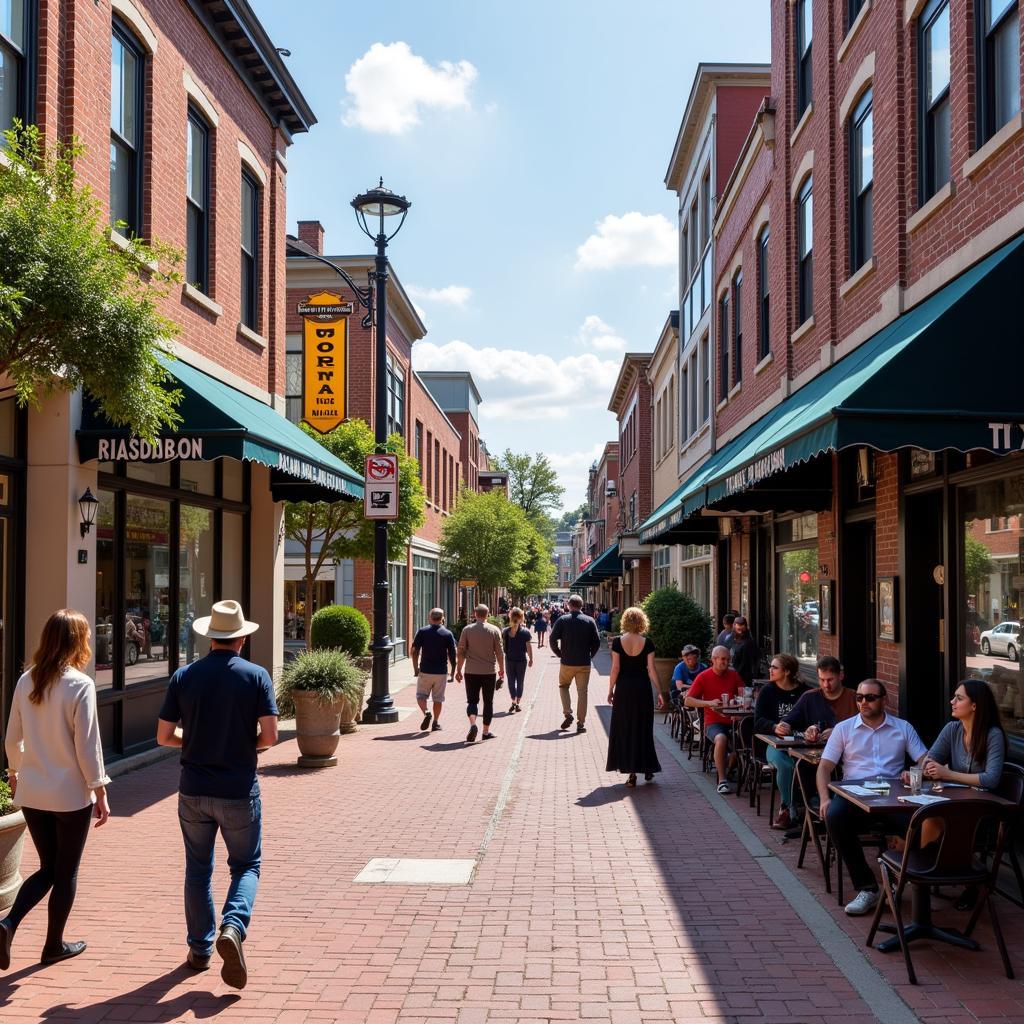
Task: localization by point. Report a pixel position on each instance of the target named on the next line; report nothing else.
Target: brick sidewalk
(589, 902)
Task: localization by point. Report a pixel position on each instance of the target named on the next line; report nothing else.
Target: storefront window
(106, 598)
(195, 578)
(398, 628)
(295, 605)
(992, 587)
(424, 589)
(449, 600)
(150, 472)
(661, 566)
(232, 573)
(797, 588)
(146, 589)
(200, 477)
(234, 480)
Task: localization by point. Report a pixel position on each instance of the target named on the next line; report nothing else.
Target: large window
(853, 8)
(424, 589)
(797, 588)
(250, 251)
(398, 595)
(197, 202)
(126, 104)
(147, 589)
(804, 18)
(723, 347)
(862, 175)
(763, 292)
(295, 605)
(933, 87)
(805, 251)
(661, 566)
(705, 375)
(998, 35)
(15, 50)
(396, 397)
(737, 327)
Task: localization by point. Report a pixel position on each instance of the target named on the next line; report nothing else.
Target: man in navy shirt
(433, 654)
(227, 712)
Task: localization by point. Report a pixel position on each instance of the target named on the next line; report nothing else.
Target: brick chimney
(312, 233)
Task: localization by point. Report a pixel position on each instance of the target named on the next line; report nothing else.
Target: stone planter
(347, 716)
(664, 667)
(12, 839)
(316, 729)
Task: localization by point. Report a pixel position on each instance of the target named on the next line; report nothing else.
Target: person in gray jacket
(575, 640)
(971, 749)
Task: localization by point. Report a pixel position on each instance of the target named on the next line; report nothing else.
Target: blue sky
(532, 139)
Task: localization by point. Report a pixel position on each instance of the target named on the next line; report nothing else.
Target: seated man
(685, 672)
(873, 743)
(707, 692)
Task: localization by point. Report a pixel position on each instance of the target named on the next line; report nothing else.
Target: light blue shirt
(866, 752)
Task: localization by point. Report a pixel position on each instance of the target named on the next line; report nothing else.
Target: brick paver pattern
(590, 901)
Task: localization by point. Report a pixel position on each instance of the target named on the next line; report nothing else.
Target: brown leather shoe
(784, 820)
(229, 948)
(197, 961)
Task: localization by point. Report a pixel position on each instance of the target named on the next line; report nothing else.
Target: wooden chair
(814, 828)
(954, 863)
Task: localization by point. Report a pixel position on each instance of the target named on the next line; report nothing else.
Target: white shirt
(866, 752)
(55, 746)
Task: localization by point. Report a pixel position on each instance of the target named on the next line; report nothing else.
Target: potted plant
(12, 839)
(315, 687)
(341, 627)
(676, 620)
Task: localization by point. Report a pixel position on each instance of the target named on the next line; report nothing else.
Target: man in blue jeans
(228, 714)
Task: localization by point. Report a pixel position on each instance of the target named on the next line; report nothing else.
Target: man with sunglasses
(871, 744)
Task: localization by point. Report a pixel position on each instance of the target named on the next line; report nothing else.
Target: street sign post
(380, 499)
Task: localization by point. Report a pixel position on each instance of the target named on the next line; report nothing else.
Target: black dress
(631, 735)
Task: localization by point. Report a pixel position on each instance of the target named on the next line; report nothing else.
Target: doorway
(858, 633)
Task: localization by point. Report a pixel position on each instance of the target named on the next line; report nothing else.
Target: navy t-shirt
(436, 646)
(516, 644)
(218, 700)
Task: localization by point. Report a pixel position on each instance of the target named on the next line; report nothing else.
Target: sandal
(631, 781)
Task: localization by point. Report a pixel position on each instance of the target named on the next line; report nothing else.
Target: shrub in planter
(340, 627)
(676, 620)
(12, 840)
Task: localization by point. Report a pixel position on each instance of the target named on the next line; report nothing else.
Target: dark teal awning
(932, 379)
(606, 566)
(220, 422)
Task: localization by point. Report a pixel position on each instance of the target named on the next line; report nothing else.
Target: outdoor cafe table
(921, 926)
(788, 742)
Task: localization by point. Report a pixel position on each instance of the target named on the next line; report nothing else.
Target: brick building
(871, 239)
(431, 437)
(597, 568)
(186, 112)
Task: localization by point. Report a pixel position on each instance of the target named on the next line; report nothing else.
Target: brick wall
(887, 558)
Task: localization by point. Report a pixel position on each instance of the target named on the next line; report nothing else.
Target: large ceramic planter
(12, 839)
(316, 729)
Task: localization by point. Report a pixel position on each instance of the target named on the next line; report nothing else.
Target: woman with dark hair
(972, 748)
(57, 776)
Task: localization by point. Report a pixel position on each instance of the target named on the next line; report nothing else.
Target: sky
(532, 139)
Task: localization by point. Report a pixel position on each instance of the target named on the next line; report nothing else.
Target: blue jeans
(784, 766)
(240, 823)
(515, 673)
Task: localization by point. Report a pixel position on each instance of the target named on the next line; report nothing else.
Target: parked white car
(1002, 639)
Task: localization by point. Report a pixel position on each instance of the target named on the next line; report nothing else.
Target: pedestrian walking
(574, 641)
(56, 775)
(227, 712)
(515, 638)
(746, 655)
(433, 653)
(479, 651)
(633, 690)
(540, 626)
(724, 639)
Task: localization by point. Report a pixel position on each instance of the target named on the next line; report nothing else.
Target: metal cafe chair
(955, 862)
(1011, 787)
(814, 828)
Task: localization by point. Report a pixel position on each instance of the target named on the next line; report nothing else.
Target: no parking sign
(380, 499)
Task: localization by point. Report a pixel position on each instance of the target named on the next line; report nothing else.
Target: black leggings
(59, 838)
(474, 684)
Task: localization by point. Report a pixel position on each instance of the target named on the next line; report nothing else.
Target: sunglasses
(869, 697)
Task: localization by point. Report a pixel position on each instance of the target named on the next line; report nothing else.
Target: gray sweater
(948, 749)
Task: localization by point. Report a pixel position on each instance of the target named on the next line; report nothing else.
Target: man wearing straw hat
(227, 712)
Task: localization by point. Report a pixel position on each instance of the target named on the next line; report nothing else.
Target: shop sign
(324, 360)
(467, 584)
(308, 471)
(135, 449)
(773, 462)
(380, 496)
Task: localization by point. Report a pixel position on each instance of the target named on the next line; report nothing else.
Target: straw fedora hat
(226, 623)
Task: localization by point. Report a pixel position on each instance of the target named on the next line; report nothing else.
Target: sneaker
(436, 727)
(580, 727)
(724, 788)
(567, 721)
(784, 820)
(863, 903)
(471, 735)
(488, 736)
(229, 947)
(197, 961)
(425, 724)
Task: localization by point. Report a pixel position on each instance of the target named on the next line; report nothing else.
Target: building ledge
(853, 31)
(249, 335)
(854, 281)
(932, 207)
(801, 124)
(735, 389)
(125, 244)
(1002, 138)
(802, 331)
(764, 364)
(202, 300)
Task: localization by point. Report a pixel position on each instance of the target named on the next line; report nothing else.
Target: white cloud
(596, 334)
(390, 86)
(573, 470)
(632, 240)
(450, 295)
(526, 386)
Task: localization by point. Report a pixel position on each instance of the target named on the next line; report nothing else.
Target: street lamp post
(372, 209)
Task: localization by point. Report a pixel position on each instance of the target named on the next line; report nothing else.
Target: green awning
(606, 566)
(909, 386)
(219, 422)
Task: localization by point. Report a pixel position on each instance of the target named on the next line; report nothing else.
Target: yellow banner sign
(467, 584)
(324, 360)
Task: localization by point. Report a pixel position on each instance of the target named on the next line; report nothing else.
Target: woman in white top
(57, 775)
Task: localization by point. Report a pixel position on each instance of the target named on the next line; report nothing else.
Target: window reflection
(103, 633)
(147, 587)
(798, 603)
(195, 579)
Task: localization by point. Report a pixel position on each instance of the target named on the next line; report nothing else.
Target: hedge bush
(339, 627)
(676, 620)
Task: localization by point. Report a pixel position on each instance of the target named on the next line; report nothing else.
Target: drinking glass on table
(915, 775)
(725, 700)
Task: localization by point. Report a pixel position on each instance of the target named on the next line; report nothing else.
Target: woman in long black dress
(631, 689)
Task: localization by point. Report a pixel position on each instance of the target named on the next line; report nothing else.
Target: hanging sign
(324, 360)
(467, 584)
(380, 495)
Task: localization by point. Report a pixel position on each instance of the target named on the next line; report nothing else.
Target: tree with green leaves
(331, 531)
(532, 483)
(76, 310)
(569, 519)
(537, 572)
(486, 539)
(977, 564)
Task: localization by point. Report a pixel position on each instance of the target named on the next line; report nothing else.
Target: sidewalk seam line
(867, 981)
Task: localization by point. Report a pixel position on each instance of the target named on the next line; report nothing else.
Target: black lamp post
(372, 209)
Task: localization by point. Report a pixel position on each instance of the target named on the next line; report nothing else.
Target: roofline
(454, 373)
(444, 415)
(670, 334)
(706, 76)
(631, 360)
